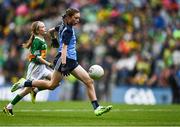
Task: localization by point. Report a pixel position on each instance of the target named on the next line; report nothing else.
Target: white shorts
(37, 71)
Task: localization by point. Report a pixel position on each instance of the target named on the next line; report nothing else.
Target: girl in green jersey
(37, 68)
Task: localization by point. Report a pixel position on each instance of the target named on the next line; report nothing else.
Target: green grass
(81, 114)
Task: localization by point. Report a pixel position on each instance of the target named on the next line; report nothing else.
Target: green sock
(16, 99)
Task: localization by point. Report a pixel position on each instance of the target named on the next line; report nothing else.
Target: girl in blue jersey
(65, 62)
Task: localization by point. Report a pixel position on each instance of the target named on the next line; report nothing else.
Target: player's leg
(46, 84)
(47, 74)
(42, 84)
(9, 108)
(82, 75)
(33, 94)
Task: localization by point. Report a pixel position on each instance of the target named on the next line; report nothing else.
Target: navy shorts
(70, 63)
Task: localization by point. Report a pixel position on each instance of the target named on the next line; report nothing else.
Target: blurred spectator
(11, 66)
(2, 78)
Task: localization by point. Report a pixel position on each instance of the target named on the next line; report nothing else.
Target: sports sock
(9, 106)
(36, 90)
(95, 104)
(28, 83)
(16, 99)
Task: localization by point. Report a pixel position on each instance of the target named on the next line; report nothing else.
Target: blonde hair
(34, 31)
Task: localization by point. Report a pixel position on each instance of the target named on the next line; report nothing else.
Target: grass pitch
(81, 114)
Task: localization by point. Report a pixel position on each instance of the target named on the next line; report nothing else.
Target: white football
(96, 72)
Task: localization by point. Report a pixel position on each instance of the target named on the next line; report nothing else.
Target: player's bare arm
(52, 36)
(64, 53)
(43, 61)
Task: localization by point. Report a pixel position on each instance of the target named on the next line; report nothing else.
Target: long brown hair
(34, 31)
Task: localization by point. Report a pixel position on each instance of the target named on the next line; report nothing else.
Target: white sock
(36, 90)
(9, 106)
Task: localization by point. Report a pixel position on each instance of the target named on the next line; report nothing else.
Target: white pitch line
(88, 110)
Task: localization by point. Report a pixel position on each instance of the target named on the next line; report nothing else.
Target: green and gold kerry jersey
(38, 48)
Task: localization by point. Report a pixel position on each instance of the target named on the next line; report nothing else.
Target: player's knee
(89, 82)
(52, 87)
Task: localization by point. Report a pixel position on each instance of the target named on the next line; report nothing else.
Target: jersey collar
(42, 39)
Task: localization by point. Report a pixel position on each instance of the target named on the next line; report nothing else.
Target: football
(96, 72)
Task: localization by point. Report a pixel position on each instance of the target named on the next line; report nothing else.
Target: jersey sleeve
(67, 35)
(43, 51)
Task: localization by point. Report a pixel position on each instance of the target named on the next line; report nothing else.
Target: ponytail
(34, 31)
(29, 42)
(64, 16)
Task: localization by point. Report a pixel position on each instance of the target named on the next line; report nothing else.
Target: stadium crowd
(136, 41)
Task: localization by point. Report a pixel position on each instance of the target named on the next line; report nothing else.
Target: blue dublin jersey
(67, 36)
